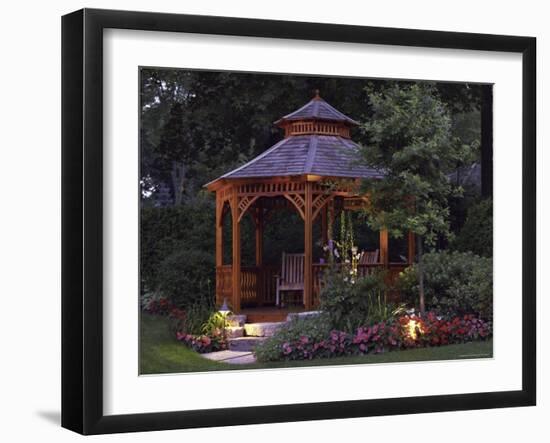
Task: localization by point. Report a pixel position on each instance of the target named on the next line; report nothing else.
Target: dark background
(198, 125)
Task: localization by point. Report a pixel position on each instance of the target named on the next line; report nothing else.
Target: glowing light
(414, 328)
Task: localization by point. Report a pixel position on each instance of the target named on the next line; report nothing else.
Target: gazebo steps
(263, 329)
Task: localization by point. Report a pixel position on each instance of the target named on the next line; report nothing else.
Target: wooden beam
(384, 256)
(411, 248)
(219, 231)
(259, 243)
(308, 246)
(259, 220)
(236, 262)
(219, 245)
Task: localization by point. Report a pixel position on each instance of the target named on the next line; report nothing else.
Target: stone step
(235, 320)
(244, 344)
(266, 329)
(234, 331)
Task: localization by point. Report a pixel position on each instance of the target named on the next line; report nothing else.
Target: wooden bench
(369, 257)
(292, 275)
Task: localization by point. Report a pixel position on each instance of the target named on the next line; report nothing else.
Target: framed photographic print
(270, 221)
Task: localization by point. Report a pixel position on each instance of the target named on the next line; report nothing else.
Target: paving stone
(224, 355)
(234, 331)
(244, 344)
(244, 360)
(261, 329)
(236, 320)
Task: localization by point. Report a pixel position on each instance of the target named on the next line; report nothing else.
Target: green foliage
(193, 320)
(178, 239)
(477, 233)
(351, 303)
(316, 328)
(210, 122)
(456, 283)
(214, 324)
(187, 276)
(410, 139)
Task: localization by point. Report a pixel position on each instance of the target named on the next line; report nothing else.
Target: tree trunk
(178, 178)
(420, 250)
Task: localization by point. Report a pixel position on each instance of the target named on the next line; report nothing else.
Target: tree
(410, 140)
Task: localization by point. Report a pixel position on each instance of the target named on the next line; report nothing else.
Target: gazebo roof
(323, 155)
(317, 109)
(316, 143)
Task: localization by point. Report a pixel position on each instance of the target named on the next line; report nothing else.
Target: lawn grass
(161, 353)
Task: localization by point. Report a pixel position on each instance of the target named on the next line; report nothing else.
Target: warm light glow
(413, 327)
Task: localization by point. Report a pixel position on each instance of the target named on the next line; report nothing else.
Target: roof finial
(316, 96)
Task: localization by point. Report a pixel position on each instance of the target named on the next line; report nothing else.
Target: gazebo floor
(268, 313)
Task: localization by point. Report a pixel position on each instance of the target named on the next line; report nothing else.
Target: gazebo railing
(258, 283)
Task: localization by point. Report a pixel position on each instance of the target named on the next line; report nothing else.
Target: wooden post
(308, 240)
(259, 224)
(236, 265)
(411, 249)
(384, 257)
(219, 246)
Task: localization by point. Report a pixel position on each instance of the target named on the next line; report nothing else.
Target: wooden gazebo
(314, 170)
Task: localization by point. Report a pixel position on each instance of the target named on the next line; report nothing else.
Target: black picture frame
(82, 218)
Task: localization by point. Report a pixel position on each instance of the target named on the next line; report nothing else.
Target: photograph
(291, 220)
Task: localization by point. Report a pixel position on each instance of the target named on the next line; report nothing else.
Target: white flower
(347, 260)
(354, 249)
(345, 279)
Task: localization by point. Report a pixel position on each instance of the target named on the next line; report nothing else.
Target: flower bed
(202, 343)
(407, 331)
(209, 341)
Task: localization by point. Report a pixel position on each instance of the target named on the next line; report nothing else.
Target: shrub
(203, 343)
(456, 283)
(315, 328)
(199, 327)
(165, 231)
(302, 341)
(186, 277)
(190, 320)
(477, 233)
(434, 330)
(352, 302)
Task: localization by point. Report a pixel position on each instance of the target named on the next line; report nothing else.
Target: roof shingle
(323, 155)
(317, 109)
